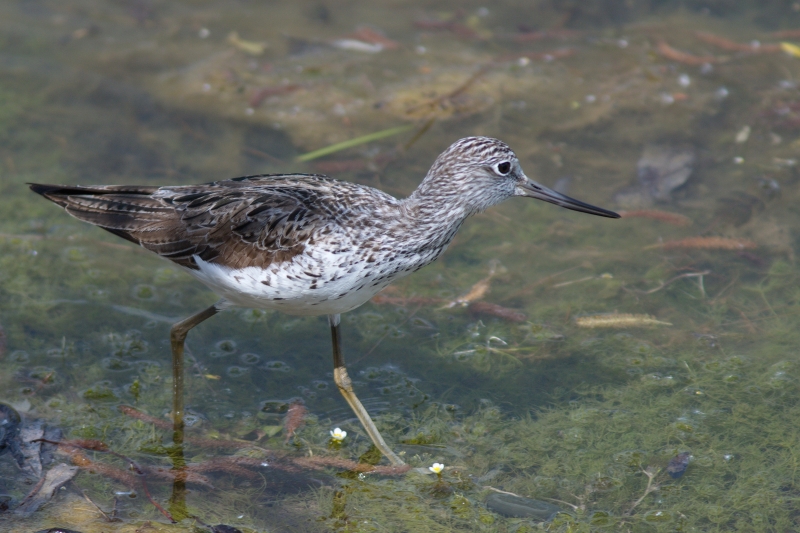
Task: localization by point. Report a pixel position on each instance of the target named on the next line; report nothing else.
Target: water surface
(632, 108)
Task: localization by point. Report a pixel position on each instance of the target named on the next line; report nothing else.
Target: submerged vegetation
(639, 374)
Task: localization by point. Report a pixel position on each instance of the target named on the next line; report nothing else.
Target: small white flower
(436, 468)
(338, 434)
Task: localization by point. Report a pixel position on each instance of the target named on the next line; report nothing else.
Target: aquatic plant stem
(358, 141)
(420, 132)
(651, 475)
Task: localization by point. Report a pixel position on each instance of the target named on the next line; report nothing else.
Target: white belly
(288, 287)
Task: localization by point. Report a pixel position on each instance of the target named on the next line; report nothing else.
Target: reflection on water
(686, 118)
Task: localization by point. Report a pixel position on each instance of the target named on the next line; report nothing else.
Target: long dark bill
(531, 189)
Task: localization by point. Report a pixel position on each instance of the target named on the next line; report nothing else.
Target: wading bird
(305, 244)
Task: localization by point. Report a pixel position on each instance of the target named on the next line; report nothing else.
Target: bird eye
(503, 168)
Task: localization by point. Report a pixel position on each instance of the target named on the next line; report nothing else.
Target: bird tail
(120, 209)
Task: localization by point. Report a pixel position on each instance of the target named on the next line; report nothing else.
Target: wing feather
(248, 221)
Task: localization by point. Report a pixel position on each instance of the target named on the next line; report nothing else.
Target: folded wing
(250, 221)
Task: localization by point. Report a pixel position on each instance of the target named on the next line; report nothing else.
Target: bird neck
(436, 205)
(435, 215)
(453, 193)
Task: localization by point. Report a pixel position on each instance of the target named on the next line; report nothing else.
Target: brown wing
(250, 221)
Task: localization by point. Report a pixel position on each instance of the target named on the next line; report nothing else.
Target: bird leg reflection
(177, 337)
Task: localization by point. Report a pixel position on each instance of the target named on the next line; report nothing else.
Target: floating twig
(705, 243)
(420, 132)
(732, 46)
(196, 441)
(656, 214)
(619, 321)
(478, 290)
(261, 94)
(238, 465)
(491, 349)
(581, 280)
(80, 459)
(663, 284)
(786, 34)
(88, 499)
(35, 490)
(486, 308)
(438, 101)
(371, 36)
(682, 57)
(317, 462)
(502, 491)
(253, 48)
(791, 49)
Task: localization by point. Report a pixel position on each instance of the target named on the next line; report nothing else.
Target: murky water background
(684, 116)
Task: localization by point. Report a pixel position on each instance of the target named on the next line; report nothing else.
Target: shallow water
(162, 93)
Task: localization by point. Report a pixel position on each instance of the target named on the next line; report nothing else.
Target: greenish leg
(346, 388)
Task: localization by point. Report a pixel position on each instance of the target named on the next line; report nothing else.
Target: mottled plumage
(303, 244)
